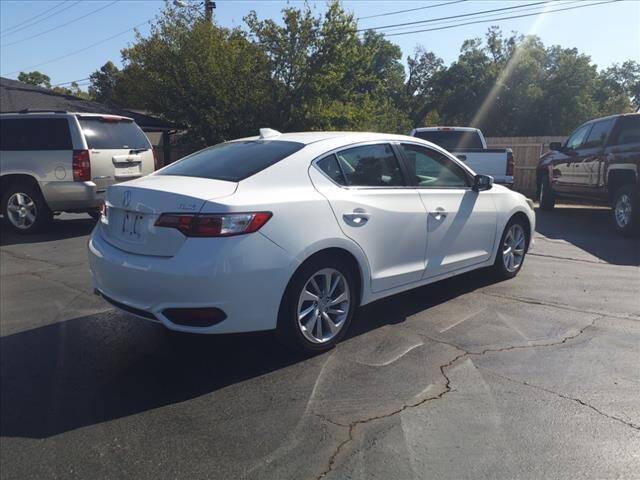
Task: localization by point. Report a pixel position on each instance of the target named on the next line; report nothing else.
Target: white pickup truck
(469, 145)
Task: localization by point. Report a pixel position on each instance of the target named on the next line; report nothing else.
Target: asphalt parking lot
(537, 377)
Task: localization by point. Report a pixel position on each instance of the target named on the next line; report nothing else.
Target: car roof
(55, 113)
(314, 137)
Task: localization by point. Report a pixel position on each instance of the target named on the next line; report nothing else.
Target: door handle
(356, 218)
(438, 214)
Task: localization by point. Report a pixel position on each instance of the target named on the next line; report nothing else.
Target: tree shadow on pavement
(102, 367)
(58, 230)
(591, 230)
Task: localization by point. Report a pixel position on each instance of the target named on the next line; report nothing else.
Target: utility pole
(209, 6)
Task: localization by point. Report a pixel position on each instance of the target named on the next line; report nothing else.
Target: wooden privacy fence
(526, 152)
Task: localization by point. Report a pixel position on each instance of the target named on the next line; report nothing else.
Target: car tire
(515, 237)
(547, 195)
(625, 210)
(25, 209)
(299, 307)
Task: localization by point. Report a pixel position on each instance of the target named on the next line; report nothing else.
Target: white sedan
(294, 231)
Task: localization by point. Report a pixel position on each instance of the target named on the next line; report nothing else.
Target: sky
(609, 33)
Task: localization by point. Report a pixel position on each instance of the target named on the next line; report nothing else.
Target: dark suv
(599, 162)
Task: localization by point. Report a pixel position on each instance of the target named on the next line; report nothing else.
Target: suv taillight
(214, 225)
(81, 166)
(511, 164)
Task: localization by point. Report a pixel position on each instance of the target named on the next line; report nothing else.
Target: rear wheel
(547, 196)
(25, 209)
(626, 210)
(512, 249)
(318, 306)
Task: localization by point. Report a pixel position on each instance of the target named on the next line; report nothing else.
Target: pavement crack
(566, 397)
(572, 259)
(447, 388)
(28, 258)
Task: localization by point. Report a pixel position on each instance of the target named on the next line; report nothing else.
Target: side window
(578, 137)
(329, 165)
(370, 166)
(432, 169)
(35, 134)
(599, 133)
(628, 130)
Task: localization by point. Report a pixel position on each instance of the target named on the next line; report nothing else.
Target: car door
(592, 156)
(461, 223)
(566, 173)
(376, 209)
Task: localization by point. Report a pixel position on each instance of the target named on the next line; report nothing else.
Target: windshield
(451, 139)
(233, 161)
(108, 134)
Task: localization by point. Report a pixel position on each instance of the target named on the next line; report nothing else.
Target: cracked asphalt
(536, 377)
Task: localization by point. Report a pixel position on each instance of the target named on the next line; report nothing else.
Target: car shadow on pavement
(102, 367)
(58, 230)
(589, 229)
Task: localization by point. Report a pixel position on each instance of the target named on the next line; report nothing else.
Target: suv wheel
(547, 197)
(318, 305)
(626, 210)
(25, 209)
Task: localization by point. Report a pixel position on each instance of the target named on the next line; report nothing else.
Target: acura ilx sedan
(292, 232)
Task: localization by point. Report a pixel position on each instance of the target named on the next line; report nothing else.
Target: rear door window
(233, 161)
(599, 133)
(103, 133)
(628, 130)
(370, 166)
(35, 134)
(452, 139)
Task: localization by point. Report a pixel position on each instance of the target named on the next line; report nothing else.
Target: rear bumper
(243, 276)
(64, 196)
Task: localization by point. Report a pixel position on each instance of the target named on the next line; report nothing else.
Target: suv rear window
(233, 161)
(110, 134)
(35, 134)
(451, 139)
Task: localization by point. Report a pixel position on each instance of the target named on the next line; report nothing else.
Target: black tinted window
(35, 134)
(451, 139)
(329, 165)
(577, 138)
(599, 133)
(628, 130)
(104, 133)
(233, 161)
(432, 169)
(370, 166)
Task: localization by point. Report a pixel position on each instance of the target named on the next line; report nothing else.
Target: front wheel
(512, 250)
(626, 210)
(547, 196)
(318, 306)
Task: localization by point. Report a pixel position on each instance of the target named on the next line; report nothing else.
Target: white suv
(53, 162)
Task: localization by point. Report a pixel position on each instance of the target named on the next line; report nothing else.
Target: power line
(72, 81)
(12, 29)
(26, 27)
(452, 16)
(499, 19)
(62, 25)
(75, 52)
(538, 9)
(410, 10)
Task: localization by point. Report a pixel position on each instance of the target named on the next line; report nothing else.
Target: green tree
(104, 83)
(35, 78)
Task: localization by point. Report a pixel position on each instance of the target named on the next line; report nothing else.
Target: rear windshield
(451, 140)
(109, 134)
(233, 161)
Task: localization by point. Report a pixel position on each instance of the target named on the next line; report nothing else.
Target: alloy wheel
(323, 305)
(513, 247)
(623, 210)
(21, 210)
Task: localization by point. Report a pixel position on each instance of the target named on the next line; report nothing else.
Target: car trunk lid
(133, 208)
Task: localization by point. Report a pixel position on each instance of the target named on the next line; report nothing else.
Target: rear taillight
(511, 164)
(214, 225)
(81, 166)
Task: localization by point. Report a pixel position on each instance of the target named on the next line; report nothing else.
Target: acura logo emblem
(126, 200)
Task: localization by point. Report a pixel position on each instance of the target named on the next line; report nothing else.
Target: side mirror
(482, 182)
(555, 146)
